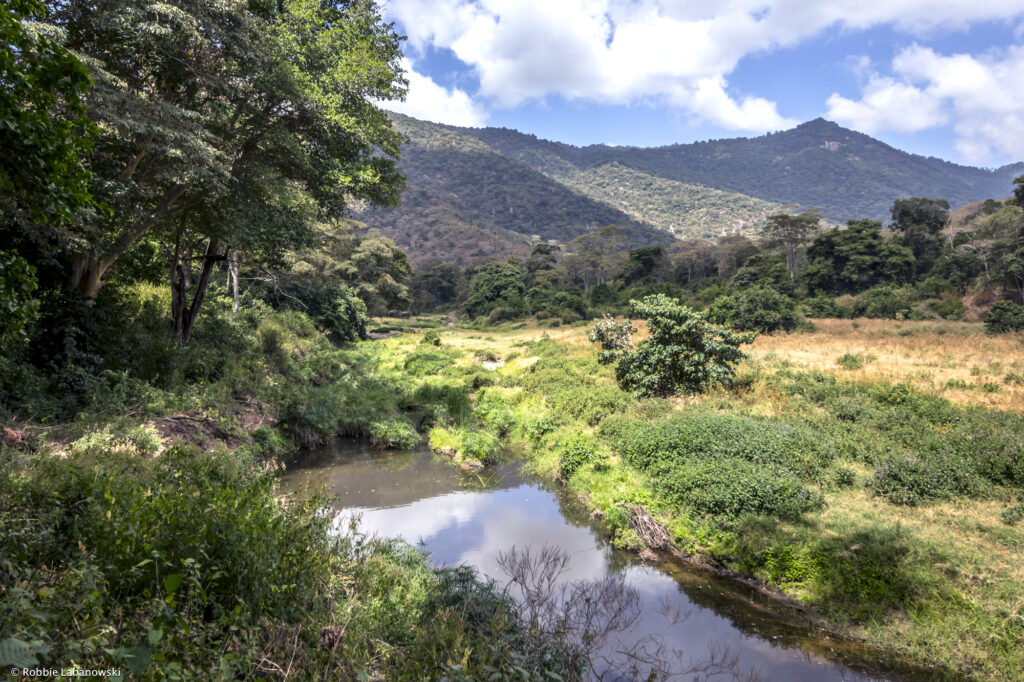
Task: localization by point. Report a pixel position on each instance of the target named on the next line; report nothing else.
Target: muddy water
(462, 518)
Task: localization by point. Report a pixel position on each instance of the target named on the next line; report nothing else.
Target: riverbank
(141, 528)
(885, 510)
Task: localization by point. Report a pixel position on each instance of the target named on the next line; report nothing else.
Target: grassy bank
(883, 497)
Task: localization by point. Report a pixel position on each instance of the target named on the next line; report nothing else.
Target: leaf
(172, 583)
(138, 658)
(155, 636)
(363, 676)
(16, 653)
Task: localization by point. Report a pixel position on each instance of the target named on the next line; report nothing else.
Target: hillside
(817, 164)
(480, 193)
(467, 201)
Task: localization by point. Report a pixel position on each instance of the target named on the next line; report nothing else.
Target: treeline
(923, 265)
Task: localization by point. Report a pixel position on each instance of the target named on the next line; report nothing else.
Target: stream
(468, 518)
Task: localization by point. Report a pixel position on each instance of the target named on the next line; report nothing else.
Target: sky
(940, 78)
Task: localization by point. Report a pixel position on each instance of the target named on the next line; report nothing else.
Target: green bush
(481, 446)
(757, 309)
(665, 443)
(422, 362)
(683, 351)
(850, 361)
(729, 488)
(887, 302)
(589, 404)
(17, 306)
(907, 480)
(396, 434)
(822, 307)
(575, 451)
(431, 338)
(1004, 316)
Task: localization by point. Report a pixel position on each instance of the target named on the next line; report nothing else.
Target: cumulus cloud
(979, 95)
(658, 51)
(432, 102)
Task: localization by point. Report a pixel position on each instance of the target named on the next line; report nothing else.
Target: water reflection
(463, 518)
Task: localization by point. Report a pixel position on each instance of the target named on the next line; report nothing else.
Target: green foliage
(45, 133)
(397, 434)
(757, 309)
(616, 339)
(188, 566)
(728, 489)
(431, 338)
(683, 351)
(481, 446)
(575, 451)
(422, 362)
(850, 361)
(886, 302)
(17, 306)
(1003, 317)
(664, 443)
(496, 287)
(911, 481)
(590, 404)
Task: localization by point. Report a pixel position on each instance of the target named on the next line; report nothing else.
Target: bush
(665, 443)
(431, 338)
(908, 480)
(423, 362)
(393, 434)
(758, 309)
(850, 361)
(589, 404)
(1003, 317)
(481, 446)
(17, 307)
(683, 351)
(886, 302)
(728, 488)
(822, 307)
(575, 451)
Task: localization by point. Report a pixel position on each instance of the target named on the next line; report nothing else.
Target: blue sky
(935, 77)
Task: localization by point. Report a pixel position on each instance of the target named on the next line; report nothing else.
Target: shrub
(821, 307)
(683, 351)
(908, 480)
(885, 302)
(423, 362)
(616, 339)
(481, 446)
(589, 404)
(397, 434)
(431, 338)
(850, 361)
(17, 306)
(759, 309)
(574, 452)
(728, 488)
(1004, 316)
(662, 444)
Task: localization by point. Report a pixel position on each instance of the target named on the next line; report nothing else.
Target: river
(465, 518)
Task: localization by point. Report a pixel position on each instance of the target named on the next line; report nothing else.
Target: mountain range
(481, 193)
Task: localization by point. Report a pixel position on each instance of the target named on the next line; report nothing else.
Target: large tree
(230, 126)
(792, 232)
(920, 222)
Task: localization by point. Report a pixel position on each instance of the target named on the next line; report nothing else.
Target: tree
(378, 268)
(856, 258)
(230, 126)
(494, 285)
(920, 222)
(683, 352)
(1004, 316)
(44, 136)
(646, 264)
(791, 232)
(594, 256)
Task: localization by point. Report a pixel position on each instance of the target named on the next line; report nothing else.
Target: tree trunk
(90, 270)
(233, 276)
(184, 315)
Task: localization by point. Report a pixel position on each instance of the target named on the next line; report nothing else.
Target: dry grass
(928, 355)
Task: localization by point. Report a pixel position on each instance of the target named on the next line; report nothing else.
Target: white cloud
(980, 96)
(661, 51)
(431, 102)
